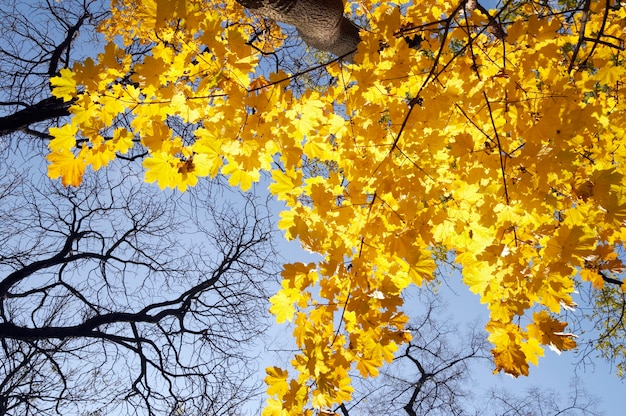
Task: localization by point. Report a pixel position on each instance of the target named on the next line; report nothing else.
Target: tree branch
(47, 109)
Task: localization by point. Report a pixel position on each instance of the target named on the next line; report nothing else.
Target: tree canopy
(496, 137)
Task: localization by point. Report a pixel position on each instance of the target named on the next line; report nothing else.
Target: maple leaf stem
(458, 107)
(605, 43)
(581, 35)
(501, 153)
(343, 312)
(297, 74)
(446, 30)
(607, 5)
(470, 42)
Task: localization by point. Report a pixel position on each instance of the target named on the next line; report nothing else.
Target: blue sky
(553, 372)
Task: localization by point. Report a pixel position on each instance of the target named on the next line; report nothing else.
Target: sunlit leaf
(64, 165)
(502, 154)
(64, 85)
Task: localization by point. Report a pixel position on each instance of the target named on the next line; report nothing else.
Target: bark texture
(320, 23)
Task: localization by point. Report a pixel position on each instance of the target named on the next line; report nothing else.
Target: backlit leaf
(64, 85)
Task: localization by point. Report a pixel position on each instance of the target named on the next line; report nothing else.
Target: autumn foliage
(500, 140)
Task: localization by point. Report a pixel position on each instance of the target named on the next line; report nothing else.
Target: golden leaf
(64, 137)
(162, 167)
(64, 165)
(64, 85)
(276, 381)
(549, 331)
(283, 304)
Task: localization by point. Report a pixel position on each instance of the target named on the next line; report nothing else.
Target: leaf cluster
(501, 140)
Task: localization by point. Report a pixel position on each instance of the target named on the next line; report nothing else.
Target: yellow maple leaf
(422, 268)
(196, 166)
(286, 185)
(64, 165)
(238, 176)
(283, 304)
(162, 167)
(476, 274)
(99, 154)
(615, 207)
(319, 150)
(64, 85)
(122, 140)
(211, 150)
(532, 350)
(299, 275)
(386, 351)
(286, 222)
(64, 137)
(570, 244)
(510, 359)
(507, 352)
(274, 407)
(206, 165)
(609, 74)
(276, 381)
(321, 399)
(592, 276)
(343, 392)
(169, 9)
(549, 331)
(368, 367)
